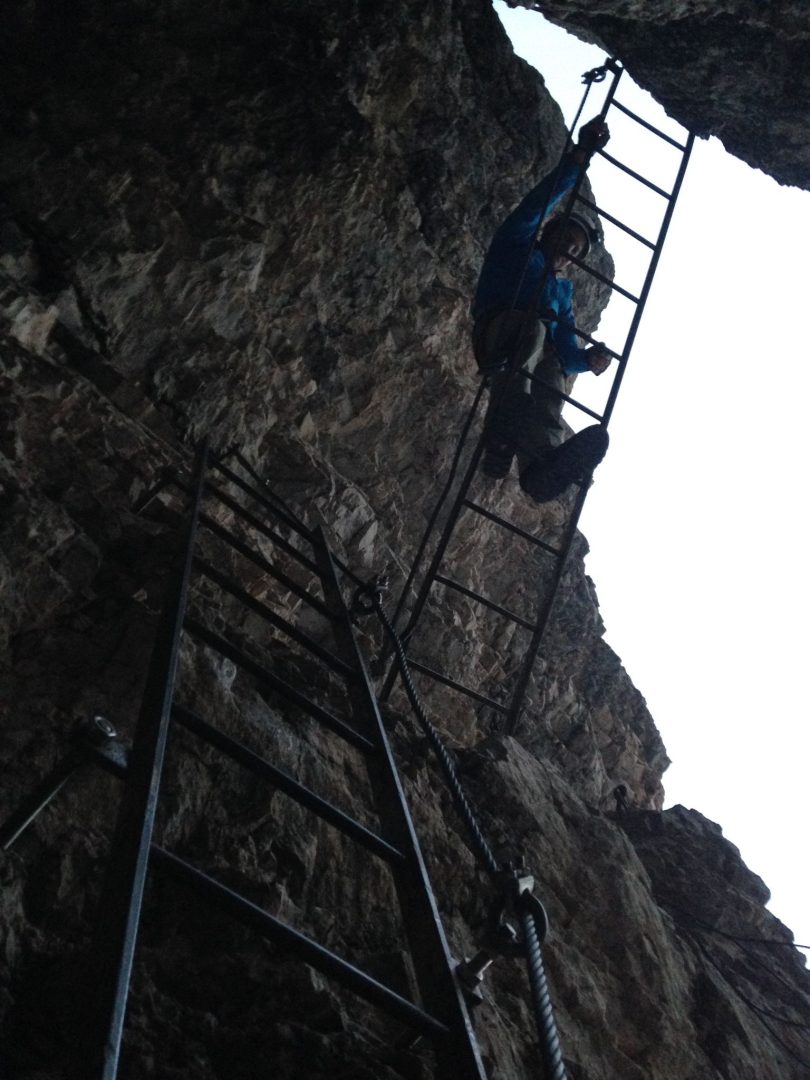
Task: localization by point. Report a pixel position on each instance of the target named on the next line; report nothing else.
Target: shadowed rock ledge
(734, 69)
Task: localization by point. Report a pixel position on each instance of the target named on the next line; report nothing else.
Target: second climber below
(524, 319)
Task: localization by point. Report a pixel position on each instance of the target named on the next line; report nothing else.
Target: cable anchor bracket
(501, 936)
(599, 74)
(97, 739)
(368, 597)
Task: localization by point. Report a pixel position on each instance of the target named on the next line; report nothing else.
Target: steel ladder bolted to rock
(441, 1016)
(509, 711)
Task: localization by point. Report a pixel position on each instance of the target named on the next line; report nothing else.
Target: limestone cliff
(264, 222)
(734, 69)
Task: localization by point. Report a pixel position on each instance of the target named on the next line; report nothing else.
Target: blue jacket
(513, 248)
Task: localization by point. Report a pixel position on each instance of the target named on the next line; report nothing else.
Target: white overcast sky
(698, 519)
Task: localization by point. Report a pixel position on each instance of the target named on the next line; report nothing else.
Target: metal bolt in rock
(97, 730)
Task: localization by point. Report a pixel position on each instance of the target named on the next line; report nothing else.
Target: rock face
(264, 224)
(748, 80)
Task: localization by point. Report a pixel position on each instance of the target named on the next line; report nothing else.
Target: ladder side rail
(346, 570)
(547, 608)
(457, 1052)
(435, 562)
(265, 612)
(544, 616)
(568, 209)
(645, 289)
(640, 302)
(574, 195)
(434, 515)
(535, 304)
(617, 72)
(548, 605)
(314, 954)
(122, 894)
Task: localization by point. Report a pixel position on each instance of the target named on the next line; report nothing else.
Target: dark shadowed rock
(264, 223)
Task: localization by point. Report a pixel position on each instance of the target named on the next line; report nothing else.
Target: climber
(523, 319)
(620, 795)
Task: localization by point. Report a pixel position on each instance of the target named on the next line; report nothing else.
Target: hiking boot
(548, 477)
(493, 366)
(509, 428)
(498, 456)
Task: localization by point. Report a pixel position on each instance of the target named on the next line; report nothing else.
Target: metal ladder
(509, 711)
(441, 1015)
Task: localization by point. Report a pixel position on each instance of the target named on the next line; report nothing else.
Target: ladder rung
(645, 123)
(585, 336)
(636, 176)
(260, 497)
(310, 951)
(512, 528)
(260, 526)
(271, 494)
(483, 600)
(235, 654)
(619, 224)
(272, 617)
(265, 564)
(553, 390)
(288, 784)
(462, 689)
(605, 280)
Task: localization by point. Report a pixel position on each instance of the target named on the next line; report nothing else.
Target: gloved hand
(593, 136)
(598, 359)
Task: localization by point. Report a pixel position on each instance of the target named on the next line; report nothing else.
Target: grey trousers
(520, 409)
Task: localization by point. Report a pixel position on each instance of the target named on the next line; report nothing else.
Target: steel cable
(490, 863)
(724, 933)
(547, 1033)
(760, 1012)
(441, 500)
